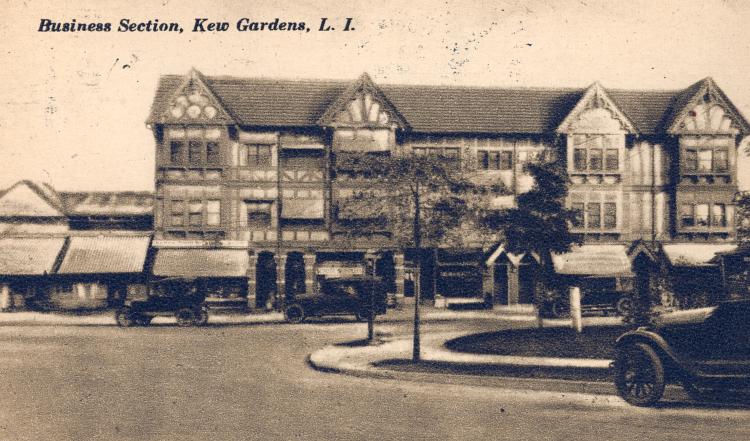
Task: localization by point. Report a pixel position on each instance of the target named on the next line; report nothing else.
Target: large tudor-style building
(246, 197)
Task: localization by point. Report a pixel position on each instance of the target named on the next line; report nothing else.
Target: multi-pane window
(213, 212)
(176, 151)
(610, 215)
(706, 160)
(703, 215)
(195, 216)
(721, 160)
(596, 153)
(594, 215)
(595, 159)
(612, 159)
(194, 147)
(177, 213)
(495, 160)
(195, 213)
(258, 214)
(255, 155)
(213, 155)
(578, 208)
(580, 159)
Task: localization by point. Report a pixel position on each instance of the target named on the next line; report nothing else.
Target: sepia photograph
(424, 220)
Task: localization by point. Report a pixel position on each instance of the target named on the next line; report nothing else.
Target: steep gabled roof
(264, 102)
(693, 95)
(30, 198)
(596, 97)
(364, 84)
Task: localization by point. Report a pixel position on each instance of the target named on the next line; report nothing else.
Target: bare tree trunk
(416, 347)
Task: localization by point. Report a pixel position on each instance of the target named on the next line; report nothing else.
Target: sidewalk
(390, 358)
(401, 314)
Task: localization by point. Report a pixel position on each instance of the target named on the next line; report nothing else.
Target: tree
(742, 199)
(420, 200)
(540, 222)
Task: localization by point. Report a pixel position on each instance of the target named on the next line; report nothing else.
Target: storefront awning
(302, 209)
(96, 255)
(200, 263)
(695, 254)
(593, 260)
(28, 256)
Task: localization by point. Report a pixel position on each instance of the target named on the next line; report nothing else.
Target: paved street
(252, 382)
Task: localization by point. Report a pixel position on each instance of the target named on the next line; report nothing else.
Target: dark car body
(171, 296)
(604, 301)
(342, 296)
(701, 348)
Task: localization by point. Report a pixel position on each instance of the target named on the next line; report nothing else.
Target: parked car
(343, 296)
(703, 349)
(606, 302)
(176, 297)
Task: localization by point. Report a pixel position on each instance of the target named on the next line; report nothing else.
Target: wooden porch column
(4, 297)
(309, 259)
(398, 266)
(513, 284)
(252, 280)
(488, 283)
(280, 279)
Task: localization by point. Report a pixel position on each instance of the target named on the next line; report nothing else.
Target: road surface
(252, 382)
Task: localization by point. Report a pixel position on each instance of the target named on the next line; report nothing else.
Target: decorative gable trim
(363, 104)
(593, 107)
(194, 102)
(708, 111)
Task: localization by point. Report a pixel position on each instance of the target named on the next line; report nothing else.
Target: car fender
(643, 335)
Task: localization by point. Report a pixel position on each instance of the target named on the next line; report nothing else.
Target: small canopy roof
(695, 254)
(593, 260)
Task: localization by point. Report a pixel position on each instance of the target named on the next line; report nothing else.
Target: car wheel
(186, 317)
(143, 320)
(124, 317)
(639, 375)
(294, 313)
(624, 306)
(202, 317)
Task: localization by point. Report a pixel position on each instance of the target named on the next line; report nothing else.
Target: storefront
(695, 273)
(24, 263)
(99, 271)
(222, 273)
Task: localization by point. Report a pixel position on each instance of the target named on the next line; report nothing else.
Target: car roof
(685, 316)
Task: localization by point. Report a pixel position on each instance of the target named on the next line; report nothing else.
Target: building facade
(247, 198)
(72, 250)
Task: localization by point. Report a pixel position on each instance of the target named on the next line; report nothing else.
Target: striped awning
(695, 254)
(302, 209)
(593, 260)
(105, 254)
(200, 263)
(29, 256)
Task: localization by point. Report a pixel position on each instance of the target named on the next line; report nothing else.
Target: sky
(74, 105)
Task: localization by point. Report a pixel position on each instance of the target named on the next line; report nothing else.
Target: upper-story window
(195, 213)
(595, 215)
(495, 160)
(596, 153)
(703, 215)
(705, 155)
(255, 155)
(194, 147)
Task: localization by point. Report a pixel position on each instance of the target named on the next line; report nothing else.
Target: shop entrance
(265, 280)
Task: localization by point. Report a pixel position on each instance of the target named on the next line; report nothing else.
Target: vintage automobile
(176, 297)
(341, 296)
(703, 349)
(605, 302)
